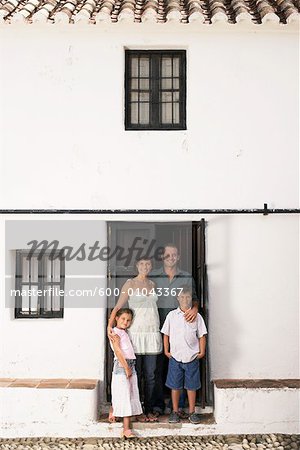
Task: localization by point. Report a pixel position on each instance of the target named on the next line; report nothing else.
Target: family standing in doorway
(161, 302)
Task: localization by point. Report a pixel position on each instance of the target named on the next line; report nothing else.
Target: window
(155, 90)
(39, 284)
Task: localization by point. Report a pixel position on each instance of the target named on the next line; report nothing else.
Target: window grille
(39, 284)
(155, 90)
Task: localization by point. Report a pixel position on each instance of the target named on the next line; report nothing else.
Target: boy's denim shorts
(183, 375)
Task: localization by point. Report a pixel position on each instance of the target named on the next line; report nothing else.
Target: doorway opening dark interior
(140, 238)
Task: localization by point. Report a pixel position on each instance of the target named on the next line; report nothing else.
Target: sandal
(128, 434)
(152, 418)
(142, 418)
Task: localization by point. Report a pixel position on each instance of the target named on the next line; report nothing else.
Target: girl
(145, 334)
(124, 386)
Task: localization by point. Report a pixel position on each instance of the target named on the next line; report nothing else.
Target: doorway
(130, 240)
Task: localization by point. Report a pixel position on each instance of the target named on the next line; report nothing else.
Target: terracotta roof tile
(159, 11)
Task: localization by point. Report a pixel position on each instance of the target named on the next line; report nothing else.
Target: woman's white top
(144, 331)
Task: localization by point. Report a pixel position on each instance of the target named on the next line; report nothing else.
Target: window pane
(175, 67)
(134, 97)
(134, 113)
(166, 96)
(166, 113)
(25, 299)
(47, 300)
(134, 67)
(175, 96)
(134, 83)
(166, 67)
(176, 113)
(175, 83)
(34, 299)
(144, 113)
(48, 269)
(166, 83)
(144, 97)
(56, 300)
(144, 67)
(144, 83)
(56, 270)
(25, 269)
(34, 269)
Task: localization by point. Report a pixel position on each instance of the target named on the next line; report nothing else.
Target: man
(168, 280)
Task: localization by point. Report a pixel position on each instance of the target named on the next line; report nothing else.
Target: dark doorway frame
(198, 270)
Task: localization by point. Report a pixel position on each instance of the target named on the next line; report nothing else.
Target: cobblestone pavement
(220, 442)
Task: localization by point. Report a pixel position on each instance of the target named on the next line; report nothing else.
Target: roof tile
(159, 11)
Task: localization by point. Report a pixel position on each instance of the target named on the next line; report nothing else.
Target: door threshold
(207, 418)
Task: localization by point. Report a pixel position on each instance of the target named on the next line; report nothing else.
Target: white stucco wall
(63, 142)
(253, 274)
(56, 413)
(257, 410)
(72, 347)
(63, 145)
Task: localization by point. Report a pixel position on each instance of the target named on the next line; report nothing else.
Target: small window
(39, 284)
(155, 90)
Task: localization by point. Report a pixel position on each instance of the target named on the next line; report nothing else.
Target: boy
(184, 345)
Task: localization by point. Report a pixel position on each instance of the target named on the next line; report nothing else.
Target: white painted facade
(247, 307)
(63, 145)
(62, 94)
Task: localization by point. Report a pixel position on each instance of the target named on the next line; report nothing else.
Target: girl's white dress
(125, 392)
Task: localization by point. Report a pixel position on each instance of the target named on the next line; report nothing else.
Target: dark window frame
(154, 79)
(42, 284)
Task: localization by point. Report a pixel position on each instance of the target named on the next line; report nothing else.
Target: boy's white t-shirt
(184, 336)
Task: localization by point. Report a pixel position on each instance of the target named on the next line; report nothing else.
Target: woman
(144, 332)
